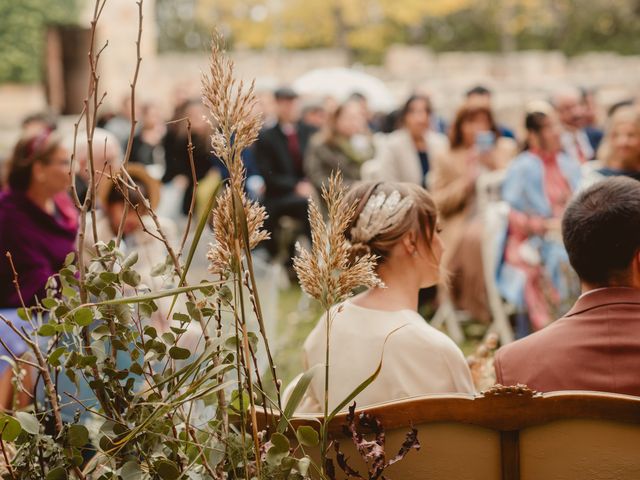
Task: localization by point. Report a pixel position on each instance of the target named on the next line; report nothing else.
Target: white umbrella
(342, 82)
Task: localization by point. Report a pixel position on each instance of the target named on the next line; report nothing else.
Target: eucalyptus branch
(43, 369)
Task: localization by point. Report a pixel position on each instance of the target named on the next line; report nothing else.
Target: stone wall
(515, 79)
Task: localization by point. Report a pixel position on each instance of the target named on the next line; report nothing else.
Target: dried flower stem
(194, 179)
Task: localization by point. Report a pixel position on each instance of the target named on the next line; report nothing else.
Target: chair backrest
(506, 433)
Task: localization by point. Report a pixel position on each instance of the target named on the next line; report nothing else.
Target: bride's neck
(400, 293)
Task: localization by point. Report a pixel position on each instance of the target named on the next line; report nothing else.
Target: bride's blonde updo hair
(415, 211)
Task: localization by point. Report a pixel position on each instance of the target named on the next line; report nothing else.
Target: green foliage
(23, 27)
(366, 29)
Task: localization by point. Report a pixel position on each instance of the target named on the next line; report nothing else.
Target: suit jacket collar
(605, 296)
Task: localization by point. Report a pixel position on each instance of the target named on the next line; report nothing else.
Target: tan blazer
(596, 346)
(397, 158)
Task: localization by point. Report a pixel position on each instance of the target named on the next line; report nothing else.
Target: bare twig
(194, 179)
(15, 282)
(4, 454)
(132, 85)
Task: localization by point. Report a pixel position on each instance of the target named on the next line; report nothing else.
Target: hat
(139, 174)
(285, 93)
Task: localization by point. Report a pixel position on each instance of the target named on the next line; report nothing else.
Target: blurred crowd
(563, 144)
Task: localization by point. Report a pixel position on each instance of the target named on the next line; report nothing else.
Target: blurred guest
(38, 222)
(344, 145)
(38, 122)
(476, 147)
(480, 96)
(107, 157)
(175, 143)
(120, 122)
(539, 183)
(266, 105)
(570, 111)
(406, 154)
(619, 153)
(596, 346)
(314, 114)
(147, 142)
(279, 156)
(590, 117)
(361, 100)
(629, 102)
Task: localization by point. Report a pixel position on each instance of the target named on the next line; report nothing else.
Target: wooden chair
(506, 433)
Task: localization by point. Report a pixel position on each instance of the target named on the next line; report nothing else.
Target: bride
(399, 226)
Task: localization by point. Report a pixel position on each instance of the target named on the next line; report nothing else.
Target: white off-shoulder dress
(418, 359)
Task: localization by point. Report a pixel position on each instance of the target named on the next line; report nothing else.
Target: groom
(596, 346)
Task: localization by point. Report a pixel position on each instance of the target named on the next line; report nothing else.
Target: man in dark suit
(596, 346)
(279, 157)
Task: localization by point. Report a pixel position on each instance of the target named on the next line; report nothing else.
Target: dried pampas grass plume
(326, 272)
(221, 252)
(234, 117)
(235, 126)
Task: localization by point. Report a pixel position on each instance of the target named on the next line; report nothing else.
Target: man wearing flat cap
(279, 155)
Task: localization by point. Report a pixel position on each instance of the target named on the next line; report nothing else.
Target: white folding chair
(495, 216)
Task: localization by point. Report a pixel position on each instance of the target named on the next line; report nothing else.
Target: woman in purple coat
(38, 227)
(38, 222)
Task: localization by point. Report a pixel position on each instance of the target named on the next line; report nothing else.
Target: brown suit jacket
(596, 346)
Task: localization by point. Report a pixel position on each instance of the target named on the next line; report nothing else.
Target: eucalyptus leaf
(167, 470)
(28, 422)
(78, 435)
(68, 260)
(10, 428)
(131, 277)
(54, 357)
(47, 330)
(178, 353)
(303, 466)
(131, 471)
(23, 314)
(58, 473)
(280, 442)
(307, 436)
(130, 261)
(83, 317)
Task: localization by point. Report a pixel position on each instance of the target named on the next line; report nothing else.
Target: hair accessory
(37, 142)
(379, 215)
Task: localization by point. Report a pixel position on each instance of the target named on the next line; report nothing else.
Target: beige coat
(397, 158)
(453, 186)
(417, 360)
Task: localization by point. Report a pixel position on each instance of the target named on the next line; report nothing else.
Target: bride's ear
(409, 242)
